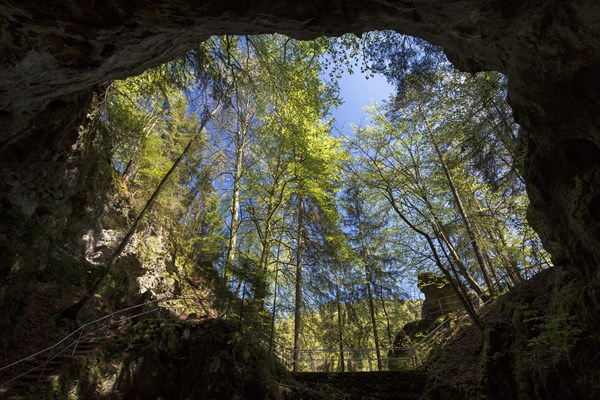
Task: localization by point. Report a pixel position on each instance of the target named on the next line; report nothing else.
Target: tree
(419, 154)
(466, 219)
(366, 232)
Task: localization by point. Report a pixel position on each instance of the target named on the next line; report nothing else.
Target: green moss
(169, 340)
(426, 279)
(534, 346)
(547, 338)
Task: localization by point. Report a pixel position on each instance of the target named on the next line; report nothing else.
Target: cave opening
(547, 52)
(428, 182)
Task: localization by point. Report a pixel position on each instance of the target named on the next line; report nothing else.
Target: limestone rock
(146, 265)
(440, 298)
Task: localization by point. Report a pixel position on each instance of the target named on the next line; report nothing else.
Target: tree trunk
(339, 321)
(464, 272)
(510, 264)
(462, 296)
(298, 302)
(387, 319)
(235, 203)
(260, 290)
(369, 277)
(272, 338)
(273, 203)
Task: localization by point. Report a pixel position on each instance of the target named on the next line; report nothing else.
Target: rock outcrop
(146, 266)
(440, 298)
(531, 348)
(211, 359)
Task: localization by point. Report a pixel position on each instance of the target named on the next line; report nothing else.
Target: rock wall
(531, 348)
(145, 268)
(211, 359)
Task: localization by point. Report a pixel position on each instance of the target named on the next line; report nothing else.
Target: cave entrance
(55, 55)
(309, 218)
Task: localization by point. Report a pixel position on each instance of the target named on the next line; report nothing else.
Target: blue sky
(356, 92)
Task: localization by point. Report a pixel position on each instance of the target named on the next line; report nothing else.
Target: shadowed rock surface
(440, 298)
(531, 348)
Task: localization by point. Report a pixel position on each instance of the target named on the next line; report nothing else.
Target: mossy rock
(206, 360)
(533, 347)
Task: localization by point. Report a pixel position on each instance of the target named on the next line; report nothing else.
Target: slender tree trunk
(73, 311)
(260, 290)
(442, 236)
(464, 272)
(272, 339)
(387, 317)
(266, 249)
(298, 302)
(241, 320)
(235, 203)
(488, 260)
(485, 268)
(456, 273)
(498, 242)
(276, 193)
(339, 320)
(510, 264)
(369, 277)
(364, 256)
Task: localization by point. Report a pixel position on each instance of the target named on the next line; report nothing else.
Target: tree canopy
(318, 235)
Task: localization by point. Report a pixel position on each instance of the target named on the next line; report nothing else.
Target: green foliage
(348, 212)
(558, 333)
(321, 331)
(453, 141)
(432, 279)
